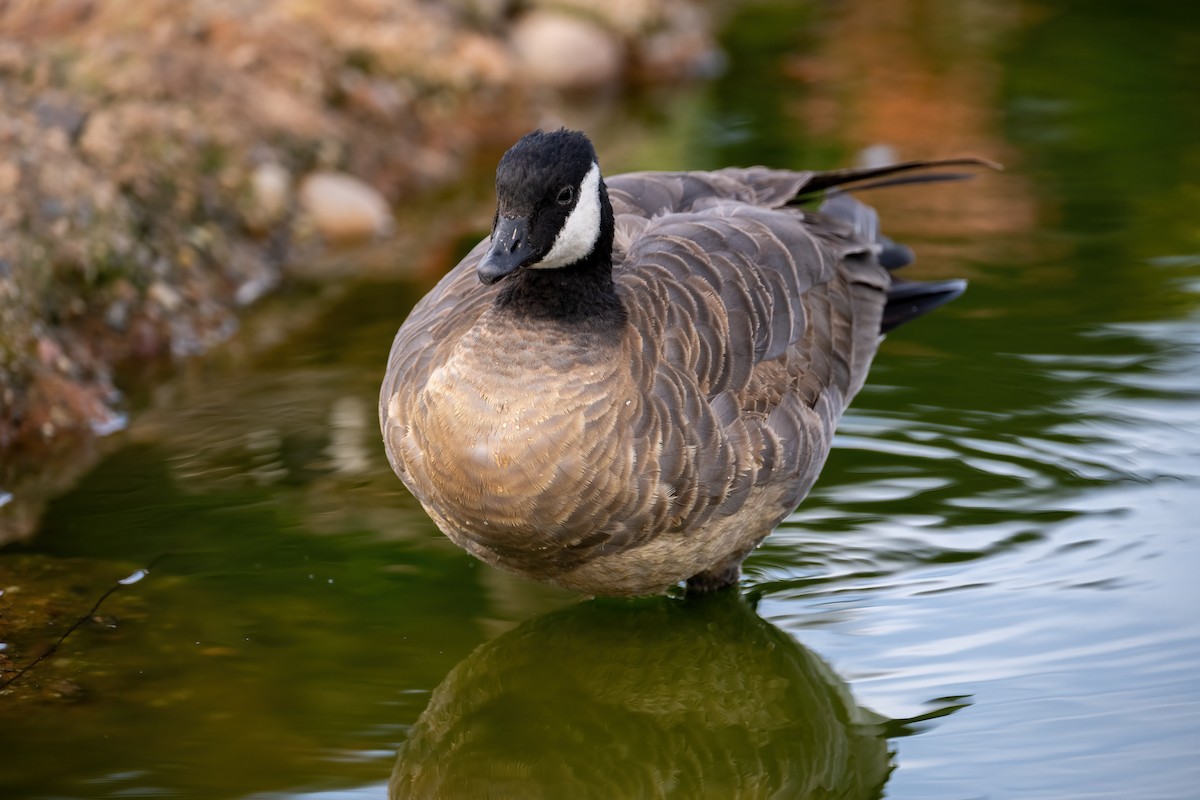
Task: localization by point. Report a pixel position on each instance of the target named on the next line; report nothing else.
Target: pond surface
(992, 592)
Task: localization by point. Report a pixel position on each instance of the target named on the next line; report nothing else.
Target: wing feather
(769, 325)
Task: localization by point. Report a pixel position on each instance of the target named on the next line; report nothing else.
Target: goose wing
(758, 323)
(650, 194)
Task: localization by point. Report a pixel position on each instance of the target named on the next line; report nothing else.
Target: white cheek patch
(582, 228)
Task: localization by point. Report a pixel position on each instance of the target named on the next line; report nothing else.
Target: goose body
(634, 379)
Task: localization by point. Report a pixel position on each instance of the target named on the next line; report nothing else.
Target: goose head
(552, 210)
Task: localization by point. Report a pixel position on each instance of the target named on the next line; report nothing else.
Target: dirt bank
(162, 162)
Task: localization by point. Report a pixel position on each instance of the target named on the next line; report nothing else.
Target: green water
(991, 592)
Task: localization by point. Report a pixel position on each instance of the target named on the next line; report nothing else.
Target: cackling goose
(648, 380)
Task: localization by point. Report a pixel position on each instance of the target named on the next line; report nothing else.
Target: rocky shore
(163, 162)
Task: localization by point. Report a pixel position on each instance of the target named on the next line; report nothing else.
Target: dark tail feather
(910, 299)
(893, 255)
(823, 181)
(906, 300)
(909, 180)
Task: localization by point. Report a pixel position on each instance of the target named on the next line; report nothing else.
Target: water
(991, 592)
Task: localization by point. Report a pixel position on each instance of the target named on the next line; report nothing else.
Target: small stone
(116, 316)
(566, 52)
(270, 190)
(631, 18)
(102, 139)
(343, 207)
(877, 155)
(164, 295)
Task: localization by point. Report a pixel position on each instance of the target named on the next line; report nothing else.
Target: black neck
(581, 293)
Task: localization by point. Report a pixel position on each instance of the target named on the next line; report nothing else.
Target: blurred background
(214, 214)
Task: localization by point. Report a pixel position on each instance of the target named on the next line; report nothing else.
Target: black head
(551, 205)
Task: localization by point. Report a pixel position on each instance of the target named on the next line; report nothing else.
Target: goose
(634, 379)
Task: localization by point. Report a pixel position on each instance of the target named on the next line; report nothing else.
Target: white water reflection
(1075, 638)
(351, 430)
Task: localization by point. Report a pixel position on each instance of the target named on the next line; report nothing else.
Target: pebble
(563, 51)
(343, 207)
(165, 296)
(271, 185)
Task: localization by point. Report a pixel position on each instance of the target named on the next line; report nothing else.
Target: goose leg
(719, 577)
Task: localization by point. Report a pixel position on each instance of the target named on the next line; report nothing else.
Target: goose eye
(566, 196)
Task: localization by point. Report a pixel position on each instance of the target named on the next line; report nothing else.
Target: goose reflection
(657, 698)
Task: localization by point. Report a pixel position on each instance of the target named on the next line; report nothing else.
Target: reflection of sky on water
(1076, 641)
(370, 792)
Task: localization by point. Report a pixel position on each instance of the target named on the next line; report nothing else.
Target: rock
(270, 189)
(630, 18)
(664, 40)
(566, 52)
(877, 155)
(343, 207)
(164, 296)
(101, 138)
